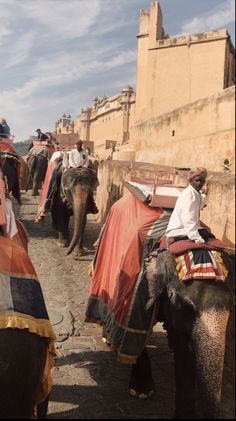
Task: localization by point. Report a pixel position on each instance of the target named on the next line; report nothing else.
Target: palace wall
(200, 133)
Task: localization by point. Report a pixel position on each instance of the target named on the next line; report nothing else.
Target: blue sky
(56, 55)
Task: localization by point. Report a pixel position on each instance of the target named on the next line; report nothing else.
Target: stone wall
(108, 119)
(200, 133)
(174, 71)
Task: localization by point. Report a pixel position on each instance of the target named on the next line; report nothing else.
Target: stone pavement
(88, 382)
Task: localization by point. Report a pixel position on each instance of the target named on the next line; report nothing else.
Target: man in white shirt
(78, 157)
(185, 218)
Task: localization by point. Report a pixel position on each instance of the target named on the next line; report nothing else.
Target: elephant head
(195, 316)
(76, 186)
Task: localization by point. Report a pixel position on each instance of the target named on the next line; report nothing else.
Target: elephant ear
(159, 268)
(229, 262)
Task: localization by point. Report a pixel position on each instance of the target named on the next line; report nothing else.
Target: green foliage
(22, 147)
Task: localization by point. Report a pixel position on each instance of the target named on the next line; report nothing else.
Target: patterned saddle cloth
(22, 303)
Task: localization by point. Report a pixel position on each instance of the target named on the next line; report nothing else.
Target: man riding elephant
(37, 160)
(68, 190)
(186, 284)
(78, 158)
(185, 219)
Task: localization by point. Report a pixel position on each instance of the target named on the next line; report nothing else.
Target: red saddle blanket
(118, 292)
(22, 304)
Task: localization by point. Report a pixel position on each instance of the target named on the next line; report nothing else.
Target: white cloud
(20, 50)
(221, 16)
(67, 19)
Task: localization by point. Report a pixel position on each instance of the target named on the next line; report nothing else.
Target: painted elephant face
(76, 186)
(74, 180)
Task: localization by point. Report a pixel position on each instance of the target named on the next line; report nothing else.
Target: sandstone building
(183, 110)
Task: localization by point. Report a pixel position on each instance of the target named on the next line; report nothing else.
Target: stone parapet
(191, 39)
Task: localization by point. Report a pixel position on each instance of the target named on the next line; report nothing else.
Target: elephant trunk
(79, 212)
(209, 336)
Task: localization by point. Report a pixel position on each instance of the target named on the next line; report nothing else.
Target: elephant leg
(63, 231)
(141, 382)
(35, 191)
(60, 221)
(185, 375)
(22, 361)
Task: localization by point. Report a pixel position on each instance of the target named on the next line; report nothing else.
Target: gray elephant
(73, 196)
(37, 168)
(195, 316)
(137, 283)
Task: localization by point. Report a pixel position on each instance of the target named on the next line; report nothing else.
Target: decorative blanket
(119, 292)
(49, 187)
(22, 304)
(8, 148)
(122, 297)
(43, 144)
(7, 151)
(201, 264)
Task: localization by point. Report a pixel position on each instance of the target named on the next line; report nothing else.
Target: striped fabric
(201, 264)
(22, 303)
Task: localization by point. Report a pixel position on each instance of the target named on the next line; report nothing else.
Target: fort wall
(200, 133)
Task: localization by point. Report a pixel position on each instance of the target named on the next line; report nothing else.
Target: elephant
(136, 282)
(195, 316)
(10, 163)
(37, 167)
(73, 196)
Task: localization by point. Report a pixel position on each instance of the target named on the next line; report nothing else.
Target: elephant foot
(105, 338)
(141, 383)
(62, 243)
(138, 395)
(80, 252)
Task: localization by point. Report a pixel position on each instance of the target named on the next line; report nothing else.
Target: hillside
(22, 147)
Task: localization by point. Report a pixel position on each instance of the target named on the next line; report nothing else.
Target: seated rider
(51, 140)
(4, 129)
(78, 157)
(41, 135)
(185, 221)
